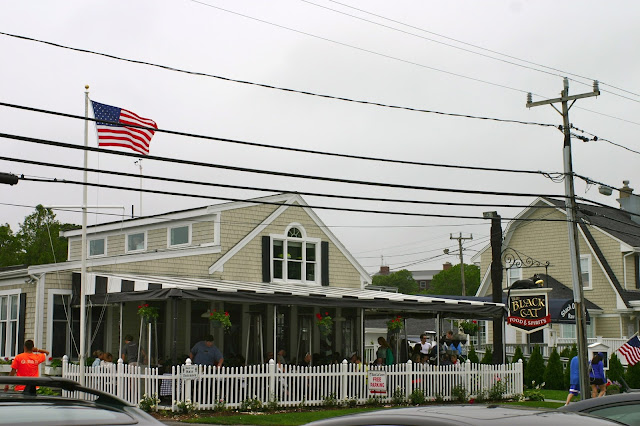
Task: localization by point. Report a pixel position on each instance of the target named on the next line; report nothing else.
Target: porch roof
(113, 288)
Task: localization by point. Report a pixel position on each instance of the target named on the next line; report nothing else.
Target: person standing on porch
(26, 364)
(130, 351)
(205, 353)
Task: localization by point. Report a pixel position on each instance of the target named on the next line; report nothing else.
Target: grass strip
(275, 419)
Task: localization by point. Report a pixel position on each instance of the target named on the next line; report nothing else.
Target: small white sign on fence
(377, 383)
(189, 372)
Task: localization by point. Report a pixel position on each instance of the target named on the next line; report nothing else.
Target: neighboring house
(270, 262)
(609, 244)
(424, 277)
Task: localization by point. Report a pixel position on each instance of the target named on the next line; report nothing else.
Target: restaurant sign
(528, 310)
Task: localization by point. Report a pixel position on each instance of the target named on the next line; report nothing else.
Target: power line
(251, 188)
(270, 172)
(283, 148)
(563, 73)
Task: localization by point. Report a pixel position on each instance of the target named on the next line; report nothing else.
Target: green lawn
(559, 395)
(284, 419)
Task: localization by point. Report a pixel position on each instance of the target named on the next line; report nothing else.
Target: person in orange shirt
(26, 364)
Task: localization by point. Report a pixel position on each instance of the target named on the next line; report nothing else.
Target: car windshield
(54, 413)
(628, 414)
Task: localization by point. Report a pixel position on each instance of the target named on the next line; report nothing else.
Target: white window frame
(304, 240)
(587, 257)
(184, 225)
(51, 293)
(126, 242)
(568, 331)
(514, 270)
(89, 247)
(6, 351)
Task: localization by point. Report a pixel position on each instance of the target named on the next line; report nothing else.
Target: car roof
(586, 404)
(470, 414)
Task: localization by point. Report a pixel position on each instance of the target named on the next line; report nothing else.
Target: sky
(458, 57)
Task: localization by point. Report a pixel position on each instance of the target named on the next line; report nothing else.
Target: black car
(28, 408)
(624, 407)
(475, 414)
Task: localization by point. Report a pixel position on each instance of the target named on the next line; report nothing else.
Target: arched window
(295, 256)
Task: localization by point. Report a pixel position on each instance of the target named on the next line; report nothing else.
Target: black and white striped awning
(107, 288)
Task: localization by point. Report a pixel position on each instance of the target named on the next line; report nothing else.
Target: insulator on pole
(596, 86)
(529, 98)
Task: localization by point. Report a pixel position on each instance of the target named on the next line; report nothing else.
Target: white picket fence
(292, 385)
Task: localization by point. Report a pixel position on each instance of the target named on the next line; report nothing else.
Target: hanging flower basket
(395, 325)
(325, 323)
(469, 327)
(220, 318)
(147, 312)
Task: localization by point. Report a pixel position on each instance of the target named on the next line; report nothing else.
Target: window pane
(14, 307)
(294, 250)
(14, 337)
(294, 233)
(59, 339)
(277, 269)
(277, 249)
(311, 252)
(311, 271)
(135, 242)
(3, 338)
(96, 247)
(59, 308)
(180, 235)
(294, 270)
(3, 307)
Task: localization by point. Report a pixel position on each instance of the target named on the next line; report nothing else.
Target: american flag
(120, 134)
(631, 350)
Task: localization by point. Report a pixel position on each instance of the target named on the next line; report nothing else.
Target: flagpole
(83, 268)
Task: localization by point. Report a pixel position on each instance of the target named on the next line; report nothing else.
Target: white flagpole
(83, 270)
(139, 163)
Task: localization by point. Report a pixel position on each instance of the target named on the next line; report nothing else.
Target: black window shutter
(266, 259)
(21, 321)
(324, 258)
(637, 268)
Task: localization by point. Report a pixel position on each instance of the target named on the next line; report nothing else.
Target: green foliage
(449, 282)
(272, 405)
(459, 393)
(534, 395)
(36, 242)
(553, 374)
(633, 376)
(613, 390)
(497, 391)
(351, 402)
(330, 401)
(402, 279)
(535, 367)
(251, 404)
(473, 355)
(374, 402)
(399, 397)
(568, 352)
(438, 398)
(567, 371)
(616, 370)
(417, 397)
(487, 358)
(44, 390)
(188, 407)
(148, 403)
(220, 406)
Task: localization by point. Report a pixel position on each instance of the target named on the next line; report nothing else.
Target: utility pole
(460, 238)
(570, 207)
(496, 284)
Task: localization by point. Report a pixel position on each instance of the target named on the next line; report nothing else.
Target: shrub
(633, 376)
(553, 375)
(459, 393)
(568, 352)
(399, 396)
(351, 402)
(148, 403)
(613, 390)
(186, 406)
(472, 355)
(417, 397)
(616, 370)
(497, 391)
(567, 371)
(331, 400)
(517, 354)
(535, 367)
(534, 395)
(374, 402)
(488, 356)
(251, 404)
(272, 405)
(44, 390)
(438, 398)
(220, 406)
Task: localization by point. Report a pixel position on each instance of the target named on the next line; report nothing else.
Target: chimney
(629, 201)
(384, 270)
(446, 266)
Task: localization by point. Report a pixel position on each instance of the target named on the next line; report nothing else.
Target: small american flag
(631, 350)
(120, 134)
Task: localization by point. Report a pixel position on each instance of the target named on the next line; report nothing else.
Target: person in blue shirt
(205, 353)
(596, 376)
(574, 379)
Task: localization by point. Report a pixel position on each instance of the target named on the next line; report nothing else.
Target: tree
(36, 242)
(517, 355)
(616, 370)
(449, 282)
(633, 375)
(488, 356)
(535, 368)
(10, 252)
(473, 355)
(402, 279)
(553, 377)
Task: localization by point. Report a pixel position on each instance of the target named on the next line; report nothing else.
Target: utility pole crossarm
(568, 98)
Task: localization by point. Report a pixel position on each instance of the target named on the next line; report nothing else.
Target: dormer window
(97, 247)
(136, 242)
(294, 256)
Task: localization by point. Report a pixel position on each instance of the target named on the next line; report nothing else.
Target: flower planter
(52, 371)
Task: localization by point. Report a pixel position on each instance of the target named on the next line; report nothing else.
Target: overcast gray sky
(304, 45)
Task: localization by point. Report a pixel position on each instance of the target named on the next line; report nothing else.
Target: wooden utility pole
(460, 238)
(570, 207)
